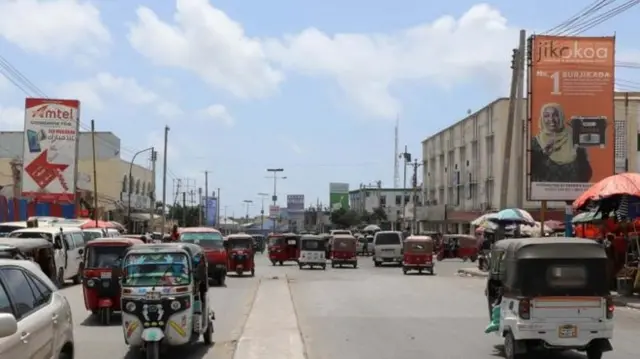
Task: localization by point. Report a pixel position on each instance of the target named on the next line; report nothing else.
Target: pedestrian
(174, 233)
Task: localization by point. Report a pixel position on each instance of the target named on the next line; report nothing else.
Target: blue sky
(312, 87)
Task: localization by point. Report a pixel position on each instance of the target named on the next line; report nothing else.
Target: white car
(69, 249)
(387, 248)
(35, 319)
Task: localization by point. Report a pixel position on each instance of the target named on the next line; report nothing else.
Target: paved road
(342, 313)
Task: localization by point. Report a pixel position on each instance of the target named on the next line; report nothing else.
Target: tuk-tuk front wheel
(253, 272)
(105, 316)
(510, 346)
(281, 262)
(273, 263)
(594, 353)
(152, 350)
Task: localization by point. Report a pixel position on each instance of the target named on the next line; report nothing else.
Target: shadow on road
(189, 351)
(94, 321)
(568, 354)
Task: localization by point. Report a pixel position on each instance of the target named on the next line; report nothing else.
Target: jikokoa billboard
(50, 149)
(571, 115)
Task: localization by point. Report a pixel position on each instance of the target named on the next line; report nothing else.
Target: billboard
(571, 115)
(212, 211)
(274, 212)
(295, 202)
(338, 196)
(50, 149)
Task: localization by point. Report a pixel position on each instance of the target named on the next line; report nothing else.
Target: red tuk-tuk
(283, 247)
(463, 246)
(417, 254)
(240, 253)
(101, 275)
(212, 243)
(343, 251)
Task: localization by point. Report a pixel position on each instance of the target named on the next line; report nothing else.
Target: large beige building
(463, 164)
(112, 172)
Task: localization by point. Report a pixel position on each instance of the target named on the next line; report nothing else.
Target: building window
(383, 201)
(144, 188)
(125, 185)
(398, 200)
(137, 189)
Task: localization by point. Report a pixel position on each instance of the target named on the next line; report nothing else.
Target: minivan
(387, 248)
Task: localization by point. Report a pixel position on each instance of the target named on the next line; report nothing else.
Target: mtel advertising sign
(50, 149)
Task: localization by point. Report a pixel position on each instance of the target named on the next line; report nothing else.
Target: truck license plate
(152, 295)
(567, 331)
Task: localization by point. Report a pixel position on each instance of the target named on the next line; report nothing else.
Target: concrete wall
(480, 139)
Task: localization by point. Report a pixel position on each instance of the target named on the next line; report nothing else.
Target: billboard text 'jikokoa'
(50, 149)
(571, 108)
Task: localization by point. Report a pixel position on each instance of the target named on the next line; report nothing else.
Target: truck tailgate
(561, 309)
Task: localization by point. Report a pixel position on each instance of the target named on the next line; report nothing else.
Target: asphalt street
(368, 312)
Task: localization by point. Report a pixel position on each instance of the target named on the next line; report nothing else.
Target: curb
(473, 272)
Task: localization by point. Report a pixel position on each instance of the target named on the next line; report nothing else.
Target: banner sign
(571, 115)
(338, 196)
(212, 211)
(50, 149)
(295, 202)
(274, 212)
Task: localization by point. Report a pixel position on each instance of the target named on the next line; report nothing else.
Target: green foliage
(342, 218)
(186, 216)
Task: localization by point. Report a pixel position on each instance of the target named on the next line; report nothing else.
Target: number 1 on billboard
(556, 83)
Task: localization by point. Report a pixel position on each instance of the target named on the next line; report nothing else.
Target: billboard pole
(521, 165)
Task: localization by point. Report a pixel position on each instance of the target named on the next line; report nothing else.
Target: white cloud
(219, 114)
(91, 93)
(445, 52)
(54, 27)
(291, 145)
(206, 41)
(11, 119)
(156, 140)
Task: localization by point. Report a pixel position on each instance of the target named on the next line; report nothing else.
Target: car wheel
(377, 264)
(78, 278)
(324, 267)
(207, 336)
(594, 353)
(510, 347)
(60, 278)
(222, 279)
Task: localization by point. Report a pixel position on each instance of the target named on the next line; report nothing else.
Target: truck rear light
(610, 307)
(524, 308)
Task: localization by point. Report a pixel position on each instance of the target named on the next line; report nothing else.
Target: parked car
(35, 318)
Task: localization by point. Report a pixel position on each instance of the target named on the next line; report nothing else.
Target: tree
(343, 218)
(190, 214)
(379, 215)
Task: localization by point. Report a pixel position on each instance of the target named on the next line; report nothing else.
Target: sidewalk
(631, 302)
(272, 329)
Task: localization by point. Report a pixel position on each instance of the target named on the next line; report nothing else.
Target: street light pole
(248, 203)
(131, 185)
(262, 197)
(275, 172)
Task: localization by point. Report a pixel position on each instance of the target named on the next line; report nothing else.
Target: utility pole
(262, 197)
(275, 172)
(152, 190)
(506, 166)
(164, 179)
(414, 183)
(406, 156)
(95, 172)
(520, 140)
(218, 208)
(206, 196)
(248, 204)
(184, 209)
(200, 212)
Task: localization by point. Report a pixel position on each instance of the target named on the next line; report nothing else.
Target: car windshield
(208, 240)
(5, 229)
(156, 269)
(387, 239)
(104, 256)
(44, 235)
(335, 233)
(90, 235)
(240, 243)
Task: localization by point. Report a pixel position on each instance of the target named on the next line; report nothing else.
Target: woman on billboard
(554, 158)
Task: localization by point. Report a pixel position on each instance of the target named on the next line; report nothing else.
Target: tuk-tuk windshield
(419, 247)
(207, 240)
(5, 229)
(156, 269)
(240, 243)
(313, 244)
(574, 277)
(104, 256)
(277, 241)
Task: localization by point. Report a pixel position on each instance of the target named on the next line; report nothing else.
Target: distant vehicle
(388, 247)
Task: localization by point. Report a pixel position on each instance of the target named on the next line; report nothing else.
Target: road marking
(271, 330)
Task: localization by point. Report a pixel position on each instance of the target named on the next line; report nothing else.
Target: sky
(313, 87)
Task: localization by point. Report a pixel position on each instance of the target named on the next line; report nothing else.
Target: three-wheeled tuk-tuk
(212, 243)
(552, 294)
(312, 252)
(463, 246)
(343, 251)
(417, 254)
(164, 297)
(101, 275)
(240, 256)
(283, 247)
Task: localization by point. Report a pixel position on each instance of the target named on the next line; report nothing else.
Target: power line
(594, 6)
(591, 23)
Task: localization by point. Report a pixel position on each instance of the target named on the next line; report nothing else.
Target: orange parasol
(612, 186)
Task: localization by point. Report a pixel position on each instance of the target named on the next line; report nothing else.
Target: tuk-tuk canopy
(312, 242)
(117, 241)
(418, 244)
